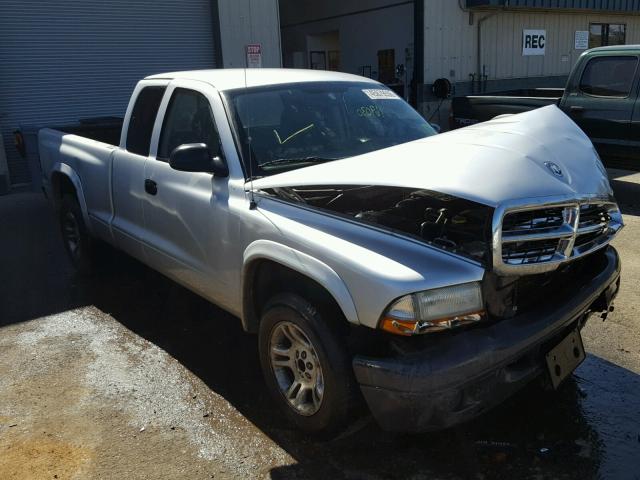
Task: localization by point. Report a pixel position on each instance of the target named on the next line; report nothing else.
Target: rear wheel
(75, 236)
(306, 365)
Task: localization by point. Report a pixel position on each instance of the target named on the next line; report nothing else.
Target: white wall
(325, 42)
(249, 21)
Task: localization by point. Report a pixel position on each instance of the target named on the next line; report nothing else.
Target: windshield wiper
(286, 161)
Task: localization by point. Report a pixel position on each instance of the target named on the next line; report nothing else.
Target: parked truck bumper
(463, 375)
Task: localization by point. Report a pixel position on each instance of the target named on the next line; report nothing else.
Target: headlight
(434, 310)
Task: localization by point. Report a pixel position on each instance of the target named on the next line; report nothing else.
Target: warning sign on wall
(254, 55)
(534, 42)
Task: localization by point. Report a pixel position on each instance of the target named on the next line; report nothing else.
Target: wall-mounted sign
(582, 40)
(254, 55)
(534, 42)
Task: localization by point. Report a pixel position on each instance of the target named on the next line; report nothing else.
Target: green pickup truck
(601, 96)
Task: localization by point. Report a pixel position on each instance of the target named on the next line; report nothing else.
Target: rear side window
(142, 118)
(189, 119)
(609, 76)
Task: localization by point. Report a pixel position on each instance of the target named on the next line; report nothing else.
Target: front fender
(305, 265)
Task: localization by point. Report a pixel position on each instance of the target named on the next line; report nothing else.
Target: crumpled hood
(504, 159)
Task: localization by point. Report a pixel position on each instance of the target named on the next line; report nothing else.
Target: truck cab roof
(615, 48)
(231, 78)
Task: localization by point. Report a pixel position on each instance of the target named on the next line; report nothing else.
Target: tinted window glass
(609, 76)
(296, 125)
(188, 120)
(142, 118)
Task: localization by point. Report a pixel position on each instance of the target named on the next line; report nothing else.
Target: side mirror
(196, 157)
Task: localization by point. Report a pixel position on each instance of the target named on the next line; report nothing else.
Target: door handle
(150, 186)
(576, 108)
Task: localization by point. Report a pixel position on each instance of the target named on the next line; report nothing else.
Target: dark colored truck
(601, 96)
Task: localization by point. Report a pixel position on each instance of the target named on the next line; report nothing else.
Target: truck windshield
(296, 125)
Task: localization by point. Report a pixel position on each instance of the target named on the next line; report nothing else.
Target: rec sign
(534, 42)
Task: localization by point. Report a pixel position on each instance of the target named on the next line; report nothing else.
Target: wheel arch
(64, 179)
(280, 260)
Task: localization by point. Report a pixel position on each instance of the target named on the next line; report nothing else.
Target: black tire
(75, 236)
(340, 393)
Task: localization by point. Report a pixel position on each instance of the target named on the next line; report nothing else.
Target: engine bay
(444, 221)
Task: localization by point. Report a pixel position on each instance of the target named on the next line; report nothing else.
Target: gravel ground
(130, 376)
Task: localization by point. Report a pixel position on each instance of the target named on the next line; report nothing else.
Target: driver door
(185, 212)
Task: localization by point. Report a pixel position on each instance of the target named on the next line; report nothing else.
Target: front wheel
(306, 365)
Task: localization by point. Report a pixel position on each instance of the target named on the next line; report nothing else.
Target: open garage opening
(374, 39)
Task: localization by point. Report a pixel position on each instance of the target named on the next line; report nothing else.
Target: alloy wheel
(296, 366)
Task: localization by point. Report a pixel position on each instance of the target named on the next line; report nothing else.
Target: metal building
(476, 44)
(72, 59)
(479, 44)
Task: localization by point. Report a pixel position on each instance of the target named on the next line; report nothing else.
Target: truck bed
(102, 129)
(87, 150)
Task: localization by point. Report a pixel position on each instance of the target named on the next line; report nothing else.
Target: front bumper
(464, 374)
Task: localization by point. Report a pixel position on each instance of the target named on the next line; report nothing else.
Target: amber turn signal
(398, 327)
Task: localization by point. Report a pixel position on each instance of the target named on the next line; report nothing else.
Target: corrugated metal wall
(601, 5)
(450, 41)
(502, 42)
(65, 60)
(250, 21)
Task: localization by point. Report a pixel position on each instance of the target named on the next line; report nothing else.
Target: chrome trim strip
(560, 232)
(591, 228)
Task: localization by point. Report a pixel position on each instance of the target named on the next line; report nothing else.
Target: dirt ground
(129, 376)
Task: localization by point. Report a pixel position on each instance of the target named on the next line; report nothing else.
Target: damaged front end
(533, 253)
(442, 221)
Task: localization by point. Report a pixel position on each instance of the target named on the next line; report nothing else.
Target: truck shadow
(628, 196)
(582, 431)
(626, 190)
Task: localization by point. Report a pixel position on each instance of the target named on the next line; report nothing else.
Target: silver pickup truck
(431, 276)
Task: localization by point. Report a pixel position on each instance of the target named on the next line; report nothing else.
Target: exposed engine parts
(448, 222)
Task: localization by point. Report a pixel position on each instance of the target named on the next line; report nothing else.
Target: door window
(142, 119)
(189, 119)
(609, 76)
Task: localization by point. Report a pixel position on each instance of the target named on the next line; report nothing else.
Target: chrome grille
(541, 237)
(519, 253)
(533, 220)
(593, 223)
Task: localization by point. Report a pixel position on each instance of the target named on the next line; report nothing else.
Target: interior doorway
(324, 51)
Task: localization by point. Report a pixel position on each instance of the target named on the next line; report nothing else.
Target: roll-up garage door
(61, 61)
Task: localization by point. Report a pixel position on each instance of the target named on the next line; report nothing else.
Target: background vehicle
(315, 207)
(601, 96)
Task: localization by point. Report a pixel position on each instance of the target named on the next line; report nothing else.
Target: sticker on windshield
(380, 94)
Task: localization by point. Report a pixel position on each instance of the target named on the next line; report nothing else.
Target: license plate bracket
(565, 357)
